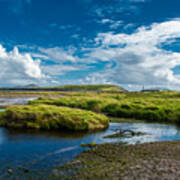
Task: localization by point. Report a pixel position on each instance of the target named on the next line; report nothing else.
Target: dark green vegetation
(158, 160)
(151, 106)
(52, 117)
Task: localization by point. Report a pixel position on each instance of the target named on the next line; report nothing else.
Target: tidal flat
(149, 161)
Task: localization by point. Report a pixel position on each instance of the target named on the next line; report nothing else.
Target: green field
(152, 106)
(149, 106)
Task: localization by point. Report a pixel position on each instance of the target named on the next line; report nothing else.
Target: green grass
(156, 106)
(75, 88)
(52, 117)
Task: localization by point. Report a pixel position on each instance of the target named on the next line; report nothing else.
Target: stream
(40, 151)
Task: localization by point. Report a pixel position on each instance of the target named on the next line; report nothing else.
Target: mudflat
(158, 160)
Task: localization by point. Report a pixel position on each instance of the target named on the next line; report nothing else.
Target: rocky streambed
(149, 161)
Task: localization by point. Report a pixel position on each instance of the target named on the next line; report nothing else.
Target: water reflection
(153, 132)
(45, 150)
(12, 101)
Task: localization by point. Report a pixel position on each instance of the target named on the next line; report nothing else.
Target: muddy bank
(159, 160)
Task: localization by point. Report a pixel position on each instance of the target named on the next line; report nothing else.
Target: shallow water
(44, 151)
(12, 101)
(41, 152)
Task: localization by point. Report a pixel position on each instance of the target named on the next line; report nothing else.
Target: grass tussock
(52, 117)
(156, 106)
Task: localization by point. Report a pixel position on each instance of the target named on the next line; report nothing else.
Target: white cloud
(17, 68)
(109, 9)
(130, 59)
(75, 36)
(153, 35)
(138, 56)
(113, 24)
(105, 21)
(65, 27)
(56, 72)
(59, 69)
(58, 54)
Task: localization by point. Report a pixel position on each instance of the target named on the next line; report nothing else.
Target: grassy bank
(159, 160)
(52, 117)
(157, 106)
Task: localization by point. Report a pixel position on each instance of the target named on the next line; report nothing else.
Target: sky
(131, 43)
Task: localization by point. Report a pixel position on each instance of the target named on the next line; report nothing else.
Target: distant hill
(31, 86)
(94, 87)
(72, 88)
(28, 86)
(155, 89)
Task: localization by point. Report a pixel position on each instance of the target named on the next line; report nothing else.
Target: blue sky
(125, 42)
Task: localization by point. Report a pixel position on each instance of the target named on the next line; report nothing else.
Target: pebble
(10, 171)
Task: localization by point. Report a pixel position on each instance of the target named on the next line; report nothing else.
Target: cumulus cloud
(139, 57)
(17, 68)
(130, 59)
(153, 35)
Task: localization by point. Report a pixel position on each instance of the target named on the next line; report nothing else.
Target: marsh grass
(52, 117)
(156, 106)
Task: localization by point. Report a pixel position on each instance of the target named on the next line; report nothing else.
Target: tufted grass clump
(52, 117)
